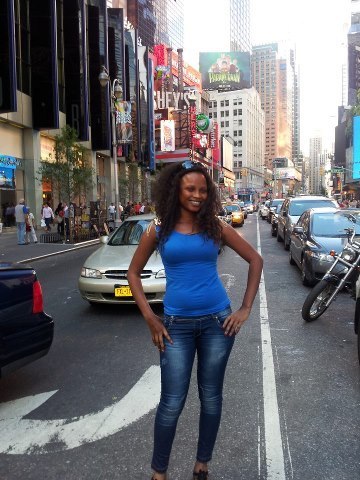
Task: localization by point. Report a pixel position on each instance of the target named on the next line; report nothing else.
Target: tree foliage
(67, 170)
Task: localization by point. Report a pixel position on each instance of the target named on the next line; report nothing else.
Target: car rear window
(297, 207)
(232, 208)
(334, 224)
(129, 232)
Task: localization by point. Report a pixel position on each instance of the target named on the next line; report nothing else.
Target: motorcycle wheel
(314, 305)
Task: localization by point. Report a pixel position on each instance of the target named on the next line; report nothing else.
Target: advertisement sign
(167, 128)
(123, 122)
(7, 172)
(289, 173)
(356, 148)
(225, 71)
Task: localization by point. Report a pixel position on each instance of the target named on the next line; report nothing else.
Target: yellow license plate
(123, 292)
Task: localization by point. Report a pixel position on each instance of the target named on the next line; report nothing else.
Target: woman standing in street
(198, 318)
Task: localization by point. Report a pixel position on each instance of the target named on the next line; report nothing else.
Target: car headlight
(160, 274)
(322, 257)
(348, 254)
(90, 273)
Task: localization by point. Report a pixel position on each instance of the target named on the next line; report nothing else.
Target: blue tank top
(193, 286)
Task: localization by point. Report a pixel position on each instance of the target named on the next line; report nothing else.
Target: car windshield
(275, 203)
(129, 232)
(297, 207)
(334, 224)
(232, 208)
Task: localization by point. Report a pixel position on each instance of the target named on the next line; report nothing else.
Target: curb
(77, 246)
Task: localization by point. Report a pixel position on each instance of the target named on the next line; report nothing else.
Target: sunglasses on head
(189, 164)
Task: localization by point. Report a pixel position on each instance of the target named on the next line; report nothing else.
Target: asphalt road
(291, 398)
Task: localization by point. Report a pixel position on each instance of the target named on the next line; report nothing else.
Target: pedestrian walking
(47, 216)
(59, 218)
(30, 227)
(20, 214)
(111, 211)
(198, 319)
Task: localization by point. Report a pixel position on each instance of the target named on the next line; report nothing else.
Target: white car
(264, 209)
(103, 277)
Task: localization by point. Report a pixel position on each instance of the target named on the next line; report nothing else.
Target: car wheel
(286, 242)
(291, 260)
(305, 277)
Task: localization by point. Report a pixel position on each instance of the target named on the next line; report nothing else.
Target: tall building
(241, 119)
(354, 53)
(239, 16)
(273, 76)
(158, 21)
(315, 150)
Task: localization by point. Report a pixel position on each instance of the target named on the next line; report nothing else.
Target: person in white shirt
(111, 211)
(47, 215)
(30, 227)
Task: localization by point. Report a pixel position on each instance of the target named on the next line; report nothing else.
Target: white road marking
(275, 465)
(23, 436)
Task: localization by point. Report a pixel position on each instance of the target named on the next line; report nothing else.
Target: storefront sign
(171, 99)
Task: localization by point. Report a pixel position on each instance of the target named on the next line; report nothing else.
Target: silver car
(103, 277)
(291, 210)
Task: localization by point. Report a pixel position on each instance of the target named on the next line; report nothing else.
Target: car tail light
(38, 305)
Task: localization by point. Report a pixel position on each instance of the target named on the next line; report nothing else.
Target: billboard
(225, 70)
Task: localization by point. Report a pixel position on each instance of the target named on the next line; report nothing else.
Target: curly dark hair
(167, 202)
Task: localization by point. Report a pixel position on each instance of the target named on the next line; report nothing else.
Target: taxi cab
(237, 215)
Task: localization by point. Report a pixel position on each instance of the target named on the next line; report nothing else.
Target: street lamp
(116, 92)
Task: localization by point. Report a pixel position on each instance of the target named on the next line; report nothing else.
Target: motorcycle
(324, 292)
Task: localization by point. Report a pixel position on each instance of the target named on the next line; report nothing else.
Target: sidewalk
(10, 251)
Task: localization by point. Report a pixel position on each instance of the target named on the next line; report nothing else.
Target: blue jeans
(202, 335)
(20, 232)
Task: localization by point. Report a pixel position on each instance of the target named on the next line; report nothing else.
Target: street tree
(67, 169)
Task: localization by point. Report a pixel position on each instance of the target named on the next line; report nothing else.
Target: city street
(291, 397)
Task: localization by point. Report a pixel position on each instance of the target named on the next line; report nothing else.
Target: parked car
(103, 277)
(316, 234)
(26, 331)
(274, 220)
(237, 215)
(264, 209)
(291, 210)
(272, 207)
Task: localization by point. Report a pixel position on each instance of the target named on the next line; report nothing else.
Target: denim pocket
(220, 317)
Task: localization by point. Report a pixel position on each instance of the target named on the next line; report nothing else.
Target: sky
(317, 28)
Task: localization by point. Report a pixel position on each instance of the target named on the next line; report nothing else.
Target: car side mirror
(298, 230)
